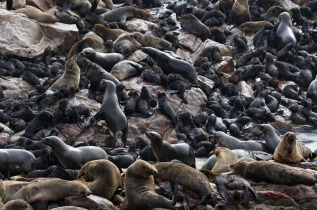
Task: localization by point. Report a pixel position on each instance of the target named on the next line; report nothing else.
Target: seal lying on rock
(140, 186)
(291, 151)
(36, 14)
(73, 157)
(273, 172)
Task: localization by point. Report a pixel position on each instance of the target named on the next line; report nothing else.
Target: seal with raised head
(273, 172)
(188, 177)
(73, 157)
(240, 12)
(171, 65)
(13, 159)
(291, 151)
(111, 112)
(50, 191)
(102, 177)
(165, 152)
(152, 41)
(271, 138)
(284, 32)
(124, 13)
(69, 80)
(105, 60)
(191, 24)
(36, 14)
(225, 157)
(140, 188)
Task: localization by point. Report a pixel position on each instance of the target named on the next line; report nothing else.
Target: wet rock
(23, 37)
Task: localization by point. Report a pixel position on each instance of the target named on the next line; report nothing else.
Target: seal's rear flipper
(223, 191)
(174, 187)
(246, 198)
(185, 202)
(257, 197)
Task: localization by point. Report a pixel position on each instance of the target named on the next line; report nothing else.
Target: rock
(196, 101)
(140, 25)
(23, 37)
(225, 66)
(206, 84)
(137, 56)
(288, 4)
(190, 42)
(91, 201)
(43, 5)
(68, 208)
(245, 89)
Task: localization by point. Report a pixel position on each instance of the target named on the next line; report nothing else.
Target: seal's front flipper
(246, 196)
(223, 191)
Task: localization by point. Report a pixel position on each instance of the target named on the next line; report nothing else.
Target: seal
(102, 177)
(36, 14)
(152, 41)
(273, 172)
(224, 140)
(124, 13)
(13, 159)
(240, 12)
(271, 138)
(17, 204)
(111, 112)
(2, 193)
(186, 176)
(69, 80)
(126, 69)
(140, 186)
(93, 42)
(50, 191)
(73, 157)
(171, 65)
(107, 33)
(284, 32)
(225, 157)
(191, 24)
(252, 27)
(165, 152)
(312, 91)
(291, 151)
(44, 119)
(166, 107)
(105, 60)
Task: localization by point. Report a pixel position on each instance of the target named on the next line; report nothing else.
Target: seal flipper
(59, 172)
(223, 191)
(246, 198)
(256, 195)
(174, 187)
(140, 80)
(185, 202)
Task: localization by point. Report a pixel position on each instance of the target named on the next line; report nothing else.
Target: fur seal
(111, 112)
(225, 157)
(165, 152)
(12, 159)
(107, 33)
(126, 69)
(171, 65)
(105, 60)
(224, 140)
(50, 191)
(186, 176)
(271, 139)
(36, 14)
(17, 204)
(102, 177)
(140, 186)
(69, 80)
(124, 13)
(240, 12)
(152, 41)
(73, 157)
(273, 172)
(191, 24)
(252, 27)
(291, 151)
(312, 91)
(92, 42)
(284, 32)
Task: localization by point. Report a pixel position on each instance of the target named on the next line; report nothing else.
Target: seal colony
(120, 116)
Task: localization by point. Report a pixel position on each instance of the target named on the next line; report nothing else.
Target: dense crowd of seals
(231, 81)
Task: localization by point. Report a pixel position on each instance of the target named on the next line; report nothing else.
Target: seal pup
(69, 80)
(36, 14)
(152, 41)
(165, 152)
(225, 157)
(291, 151)
(126, 69)
(240, 12)
(140, 188)
(124, 13)
(105, 60)
(273, 172)
(284, 32)
(188, 177)
(224, 140)
(191, 24)
(102, 177)
(12, 159)
(271, 138)
(52, 190)
(111, 112)
(171, 65)
(73, 157)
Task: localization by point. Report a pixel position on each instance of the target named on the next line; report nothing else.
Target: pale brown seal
(36, 14)
(225, 157)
